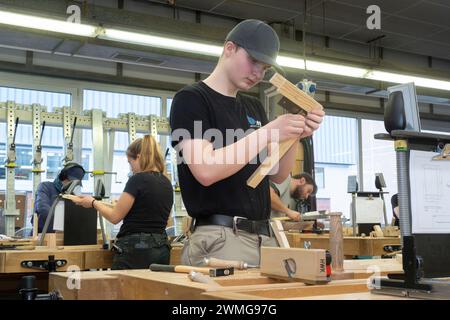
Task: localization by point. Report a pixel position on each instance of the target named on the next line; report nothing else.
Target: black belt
(236, 223)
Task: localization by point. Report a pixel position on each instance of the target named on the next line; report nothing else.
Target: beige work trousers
(219, 242)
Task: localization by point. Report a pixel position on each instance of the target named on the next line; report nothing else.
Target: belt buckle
(235, 221)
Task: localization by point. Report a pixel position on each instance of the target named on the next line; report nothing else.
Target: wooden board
(73, 197)
(309, 266)
(277, 229)
(353, 246)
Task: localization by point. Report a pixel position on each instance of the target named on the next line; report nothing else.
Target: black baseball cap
(259, 40)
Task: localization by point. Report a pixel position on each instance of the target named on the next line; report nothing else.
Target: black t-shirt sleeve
(187, 112)
(133, 185)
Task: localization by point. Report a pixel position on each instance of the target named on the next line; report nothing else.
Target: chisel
(240, 265)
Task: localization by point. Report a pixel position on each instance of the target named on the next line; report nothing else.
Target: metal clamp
(50, 265)
(235, 222)
(392, 248)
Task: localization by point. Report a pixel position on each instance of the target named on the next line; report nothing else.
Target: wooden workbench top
(246, 284)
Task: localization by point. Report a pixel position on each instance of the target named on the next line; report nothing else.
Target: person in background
(144, 207)
(395, 211)
(284, 196)
(47, 192)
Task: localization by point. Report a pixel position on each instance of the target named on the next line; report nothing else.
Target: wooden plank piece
(303, 101)
(277, 229)
(305, 265)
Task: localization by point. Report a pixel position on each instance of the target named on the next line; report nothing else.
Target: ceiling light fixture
(84, 30)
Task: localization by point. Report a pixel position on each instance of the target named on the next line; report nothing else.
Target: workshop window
(114, 104)
(336, 154)
(378, 157)
(52, 139)
(319, 175)
(54, 162)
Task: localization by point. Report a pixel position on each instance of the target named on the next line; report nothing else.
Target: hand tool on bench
(240, 265)
(212, 272)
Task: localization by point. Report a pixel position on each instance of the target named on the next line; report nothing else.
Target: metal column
(109, 138)
(11, 213)
(131, 127)
(68, 146)
(37, 148)
(99, 161)
(404, 204)
(152, 126)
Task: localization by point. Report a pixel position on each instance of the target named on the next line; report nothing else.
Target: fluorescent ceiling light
(362, 73)
(161, 42)
(401, 78)
(319, 66)
(291, 62)
(33, 22)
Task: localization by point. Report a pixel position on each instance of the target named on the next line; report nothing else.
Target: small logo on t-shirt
(253, 123)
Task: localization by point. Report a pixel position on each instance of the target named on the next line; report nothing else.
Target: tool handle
(179, 269)
(187, 269)
(162, 267)
(214, 262)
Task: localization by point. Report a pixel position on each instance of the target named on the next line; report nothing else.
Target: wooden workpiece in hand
(304, 102)
(72, 197)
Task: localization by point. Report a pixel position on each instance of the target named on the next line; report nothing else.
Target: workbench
(353, 246)
(81, 257)
(244, 284)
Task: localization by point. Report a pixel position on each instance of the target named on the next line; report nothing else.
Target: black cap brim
(267, 60)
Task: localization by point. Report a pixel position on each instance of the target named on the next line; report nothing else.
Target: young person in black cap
(231, 218)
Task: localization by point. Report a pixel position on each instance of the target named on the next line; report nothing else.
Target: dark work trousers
(140, 250)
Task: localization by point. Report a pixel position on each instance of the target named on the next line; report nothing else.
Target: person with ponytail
(144, 207)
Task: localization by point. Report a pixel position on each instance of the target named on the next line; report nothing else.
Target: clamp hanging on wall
(11, 213)
(38, 133)
(99, 164)
(68, 134)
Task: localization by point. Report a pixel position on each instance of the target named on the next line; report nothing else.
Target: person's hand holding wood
(309, 111)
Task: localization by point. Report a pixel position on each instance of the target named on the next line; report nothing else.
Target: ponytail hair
(151, 158)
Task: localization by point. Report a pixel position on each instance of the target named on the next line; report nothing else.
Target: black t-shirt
(230, 196)
(153, 200)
